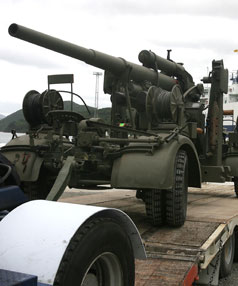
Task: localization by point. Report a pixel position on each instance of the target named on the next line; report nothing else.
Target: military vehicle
(158, 143)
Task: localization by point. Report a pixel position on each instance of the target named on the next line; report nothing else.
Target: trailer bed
(174, 254)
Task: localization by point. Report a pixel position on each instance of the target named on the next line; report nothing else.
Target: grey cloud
(9, 107)
(216, 45)
(28, 59)
(213, 8)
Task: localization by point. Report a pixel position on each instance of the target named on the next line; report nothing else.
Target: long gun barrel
(115, 65)
(151, 60)
(148, 58)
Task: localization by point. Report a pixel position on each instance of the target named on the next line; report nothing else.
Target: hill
(1, 116)
(17, 121)
(13, 121)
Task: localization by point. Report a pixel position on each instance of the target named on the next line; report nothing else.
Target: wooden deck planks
(171, 251)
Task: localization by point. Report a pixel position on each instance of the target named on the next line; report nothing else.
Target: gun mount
(158, 142)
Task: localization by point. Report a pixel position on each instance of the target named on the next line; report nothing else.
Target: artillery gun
(159, 141)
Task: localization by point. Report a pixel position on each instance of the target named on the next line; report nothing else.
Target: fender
(27, 162)
(43, 232)
(143, 170)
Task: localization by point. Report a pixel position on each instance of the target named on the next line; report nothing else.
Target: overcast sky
(197, 31)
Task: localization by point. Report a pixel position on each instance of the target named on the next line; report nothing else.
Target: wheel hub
(105, 270)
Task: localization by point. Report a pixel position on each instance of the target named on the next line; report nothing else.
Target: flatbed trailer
(176, 256)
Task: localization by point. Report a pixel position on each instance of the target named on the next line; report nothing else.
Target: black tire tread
(65, 263)
(225, 269)
(81, 234)
(236, 186)
(176, 198)
(39, 189)
(154, 203)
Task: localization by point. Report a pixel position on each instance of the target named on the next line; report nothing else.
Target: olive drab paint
(159, 135)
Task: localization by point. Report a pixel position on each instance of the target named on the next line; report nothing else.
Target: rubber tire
(155, 206)
(226, 264)
(236, 244)
(176, 198)
(235, 179)
(140, 195)
(40, 189)
(93, 238)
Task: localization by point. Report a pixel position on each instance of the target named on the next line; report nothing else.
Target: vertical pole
(71, 96)
(97, 74)
(219, 85)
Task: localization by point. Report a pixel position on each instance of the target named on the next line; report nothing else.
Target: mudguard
(34, 236)
(155, 170)
(27, 162)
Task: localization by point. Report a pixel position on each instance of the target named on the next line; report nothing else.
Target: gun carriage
(158, 143)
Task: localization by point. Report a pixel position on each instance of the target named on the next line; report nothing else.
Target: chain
(216, 263)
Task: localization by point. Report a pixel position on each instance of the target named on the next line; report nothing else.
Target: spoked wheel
(100, 253)
(155, 206)
(176, 198)
(235, 179)
(227, 257)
